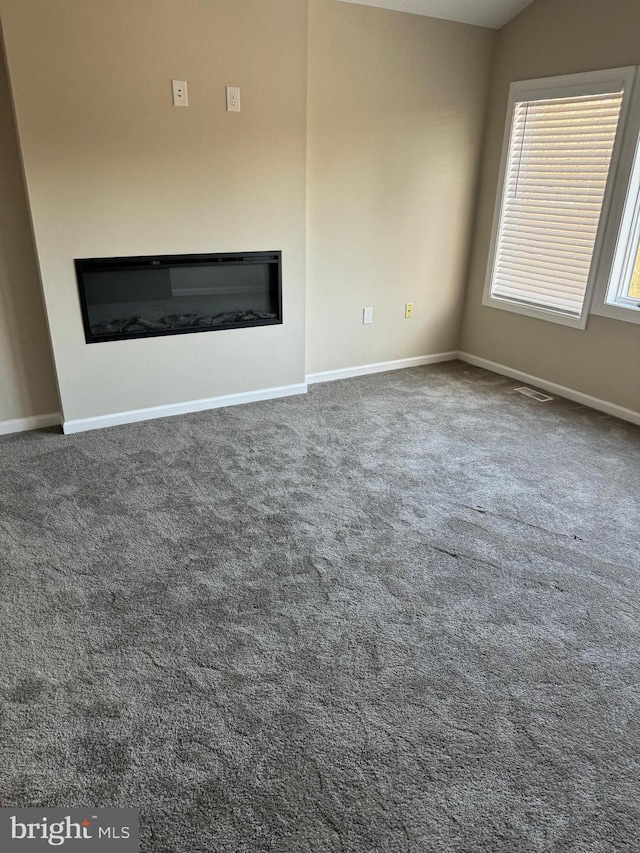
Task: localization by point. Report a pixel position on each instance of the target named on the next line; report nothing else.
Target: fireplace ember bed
(143, 297)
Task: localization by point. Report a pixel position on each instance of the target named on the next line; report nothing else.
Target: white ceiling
(483, 13)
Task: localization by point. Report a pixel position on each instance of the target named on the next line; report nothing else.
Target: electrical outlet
(233, 99)
(367, 316)
(408, 310)
(180, 94)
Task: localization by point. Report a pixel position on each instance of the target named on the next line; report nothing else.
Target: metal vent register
(535, 395)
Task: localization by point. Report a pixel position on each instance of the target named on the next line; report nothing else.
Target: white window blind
(556, 174)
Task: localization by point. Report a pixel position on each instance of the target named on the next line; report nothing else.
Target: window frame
(622, 233)
(547, 88)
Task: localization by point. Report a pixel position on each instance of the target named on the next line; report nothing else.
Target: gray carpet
(400, 614)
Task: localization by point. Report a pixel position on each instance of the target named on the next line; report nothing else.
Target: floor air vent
(531, 392)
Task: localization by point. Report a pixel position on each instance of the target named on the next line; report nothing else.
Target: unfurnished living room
(320, 426)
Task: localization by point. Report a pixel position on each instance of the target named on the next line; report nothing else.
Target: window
(560, 154)
(618, 287)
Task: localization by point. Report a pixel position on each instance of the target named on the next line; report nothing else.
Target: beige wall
(112, 168)
(553, 37)
(395, 117)
(27, 385)
(389, 157)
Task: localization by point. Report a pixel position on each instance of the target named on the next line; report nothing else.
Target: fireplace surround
(139, 297)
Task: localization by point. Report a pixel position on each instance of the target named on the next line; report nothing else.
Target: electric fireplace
(142, 297)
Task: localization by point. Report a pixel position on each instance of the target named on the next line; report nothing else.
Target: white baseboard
(380, 367)
(33, 422)
(554, 388)
(135, 415)
(84, 424)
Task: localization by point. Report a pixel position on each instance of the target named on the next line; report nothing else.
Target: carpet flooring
(400, 614)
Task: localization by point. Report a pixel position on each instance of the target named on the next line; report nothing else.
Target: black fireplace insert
(176, 294)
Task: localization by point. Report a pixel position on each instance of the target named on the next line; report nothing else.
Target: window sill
(627, 314)
(549, 315)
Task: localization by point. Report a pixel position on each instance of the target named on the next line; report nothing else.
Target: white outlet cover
(367, 316)
(233, 99)
(180, 93)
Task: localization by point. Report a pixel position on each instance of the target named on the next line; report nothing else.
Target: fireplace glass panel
(141, 297)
